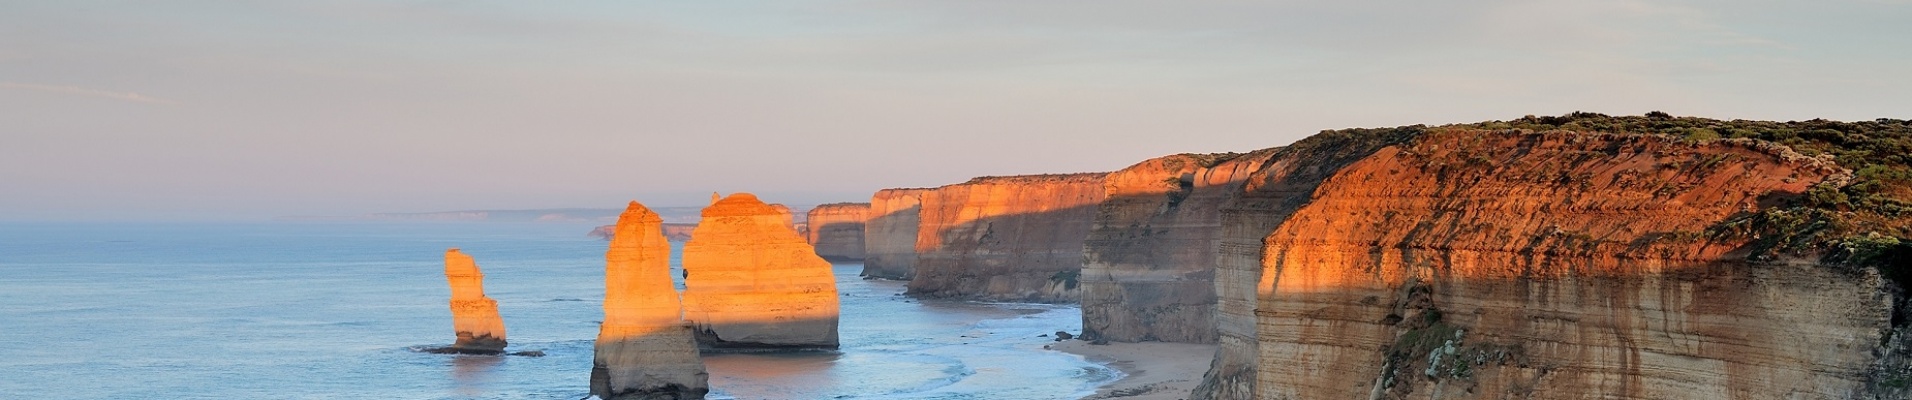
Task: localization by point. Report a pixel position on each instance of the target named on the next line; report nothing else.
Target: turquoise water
(333, 311)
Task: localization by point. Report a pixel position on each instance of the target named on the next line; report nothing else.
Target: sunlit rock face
(645, 350)
(752, 282)
(1015, 238)
(1150, 256)
(1445, 263)
(474, 317)
(889, 236)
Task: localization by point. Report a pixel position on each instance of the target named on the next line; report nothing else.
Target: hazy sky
(252, 109)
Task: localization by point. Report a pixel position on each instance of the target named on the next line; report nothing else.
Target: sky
(238, 110)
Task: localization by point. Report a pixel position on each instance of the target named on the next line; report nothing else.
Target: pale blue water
(330, 311)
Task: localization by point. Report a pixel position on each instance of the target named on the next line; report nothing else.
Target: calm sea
(333, 311)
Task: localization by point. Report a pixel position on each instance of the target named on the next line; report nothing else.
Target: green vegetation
(1866, 221)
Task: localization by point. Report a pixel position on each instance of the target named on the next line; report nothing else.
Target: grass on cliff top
(1864, 221)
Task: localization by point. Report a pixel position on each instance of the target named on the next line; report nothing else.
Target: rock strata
(752, 283)
(836, 230)
(1015, 238)
(889, 236)
(474, 317)
(645, 350)
(1453, 263)
(1150, 256)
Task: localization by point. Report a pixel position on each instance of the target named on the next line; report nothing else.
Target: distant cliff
(1016, 238)
(836, 230)
(889, 236)
(1150, 256)
(672, 232)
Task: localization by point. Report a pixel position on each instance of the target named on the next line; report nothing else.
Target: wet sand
(1155, 370)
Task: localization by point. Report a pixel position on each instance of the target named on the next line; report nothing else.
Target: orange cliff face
(889, 236)
(836, 230)
(752, 282)
(1450, 263)
(1552, 266)
(1150, 256)
(644, 349)
(1016, 238)
(474, 317)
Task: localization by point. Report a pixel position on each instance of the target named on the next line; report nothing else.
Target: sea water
(337, 310)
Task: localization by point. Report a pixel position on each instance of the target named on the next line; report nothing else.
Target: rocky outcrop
(474, 317)
(673, 232)
(1150, 256)
(1016, 238)
(751, 282)
(1462, 263)
(889, 236)
(644, 349)
(836, 230)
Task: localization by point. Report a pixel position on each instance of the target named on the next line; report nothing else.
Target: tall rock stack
(889, 235)
(1150, 258)
(836, 230)
(1006, 238)
(644, 350)
(752, 283)
(474, 316)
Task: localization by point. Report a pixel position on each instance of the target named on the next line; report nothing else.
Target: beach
(1152, 370)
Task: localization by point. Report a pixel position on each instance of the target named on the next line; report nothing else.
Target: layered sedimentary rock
(889, 235)
(751, 282)
(1150, 256)
(474, 317)
(836, 230)
(1456, 263)
(1015, 238)
(644, 349)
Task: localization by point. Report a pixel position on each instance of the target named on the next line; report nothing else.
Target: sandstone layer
(1149, 273)
(836, 230)
(644, 350)
(889, 236)
(1456, 263)
(1015, 238)
(474, 317)
(751, 282)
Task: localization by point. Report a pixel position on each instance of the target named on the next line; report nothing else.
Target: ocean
(336, 310)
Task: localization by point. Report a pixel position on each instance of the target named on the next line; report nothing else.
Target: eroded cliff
(1460, 262)
(889, 236)
(644, 349)
(1149, 272)
(474, 317)
(836, 230)
(752, 282)
(1015, 238)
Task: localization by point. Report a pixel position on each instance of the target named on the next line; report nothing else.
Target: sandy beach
(1155, 370)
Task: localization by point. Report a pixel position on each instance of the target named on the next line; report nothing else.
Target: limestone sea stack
(836, 230)
(889, 235)
(1150, 257)
(644, 349)
(752, 283)
(1008, 238)
(474, 317)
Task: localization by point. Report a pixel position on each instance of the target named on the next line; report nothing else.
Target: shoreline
(1151, 370)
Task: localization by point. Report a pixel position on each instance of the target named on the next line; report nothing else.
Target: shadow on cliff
(1031, 257)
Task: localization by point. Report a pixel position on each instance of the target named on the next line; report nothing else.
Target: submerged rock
(644, 349)
(752, 283)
